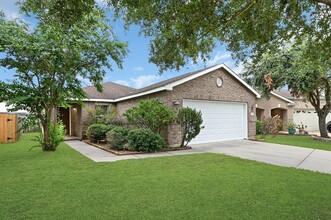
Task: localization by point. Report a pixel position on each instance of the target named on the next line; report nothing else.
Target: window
(103, 108)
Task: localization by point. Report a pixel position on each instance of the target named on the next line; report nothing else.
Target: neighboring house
(290, 108)
(226, 101)
(4, 109)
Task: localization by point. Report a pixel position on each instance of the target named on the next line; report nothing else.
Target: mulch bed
(104, 147)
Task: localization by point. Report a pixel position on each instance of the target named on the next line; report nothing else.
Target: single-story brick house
(226, 101)
(290, 108)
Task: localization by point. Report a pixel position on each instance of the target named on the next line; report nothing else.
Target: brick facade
(201, 88)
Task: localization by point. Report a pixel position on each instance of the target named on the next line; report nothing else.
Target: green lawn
(66, 185)
(301, 141)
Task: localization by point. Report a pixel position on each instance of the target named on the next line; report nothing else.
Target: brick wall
(202, 88)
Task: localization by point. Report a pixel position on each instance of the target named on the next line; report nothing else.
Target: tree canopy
(182, 30)
(310, 79)
(51, 58)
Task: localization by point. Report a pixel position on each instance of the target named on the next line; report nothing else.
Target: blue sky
(137, 72)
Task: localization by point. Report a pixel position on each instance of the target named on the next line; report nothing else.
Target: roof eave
(283, 98)
(179, 82)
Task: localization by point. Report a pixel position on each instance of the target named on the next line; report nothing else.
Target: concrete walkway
(281, 155)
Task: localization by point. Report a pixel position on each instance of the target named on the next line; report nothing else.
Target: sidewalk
(99, 155)
(276, 154)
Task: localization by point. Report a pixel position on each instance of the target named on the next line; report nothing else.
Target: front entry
(64, 116)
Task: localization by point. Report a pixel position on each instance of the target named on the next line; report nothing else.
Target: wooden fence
(9, 128)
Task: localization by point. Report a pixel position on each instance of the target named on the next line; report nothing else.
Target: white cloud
(220, 56)
(10, 9)
(123, 82)
(138, 68)
(145, 80)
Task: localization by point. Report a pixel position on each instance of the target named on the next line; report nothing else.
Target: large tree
(50, 57)
(182, 30)
(310, 79)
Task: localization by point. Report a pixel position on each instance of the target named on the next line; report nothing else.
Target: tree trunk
(46, 137)
(322, 125)
(47, 122)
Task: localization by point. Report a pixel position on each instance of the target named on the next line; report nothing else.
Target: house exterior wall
(201, 88)
(275, 103)
(305, 113)
(83, 116)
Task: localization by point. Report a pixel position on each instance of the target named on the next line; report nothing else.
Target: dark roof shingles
(110, 91)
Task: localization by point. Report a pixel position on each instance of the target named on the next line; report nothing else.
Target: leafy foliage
(97, 132)
(190, 121)
(307, 78)
(56, 134)
(258, 127)
(145, 140)
(151, 114)
(117, 138)
(98, 116)
(50, 58)
(270, 126)
(291, 125)
(182, 31)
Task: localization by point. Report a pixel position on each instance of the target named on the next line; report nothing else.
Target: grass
(66, 185)
(301, 141)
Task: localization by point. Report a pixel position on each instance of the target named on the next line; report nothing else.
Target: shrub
(258, 127)
(145, 140)
(97, 132)
(57, 132)
(190, 121)
(271, 126)
(117, 137)
(99, 116)
(56, 136)
(150, 114)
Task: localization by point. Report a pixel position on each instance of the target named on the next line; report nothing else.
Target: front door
(65, 118)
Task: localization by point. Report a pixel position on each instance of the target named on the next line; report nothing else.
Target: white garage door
(222, 120)
(309, 118)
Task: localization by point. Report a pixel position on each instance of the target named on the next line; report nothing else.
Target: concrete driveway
(281, 155)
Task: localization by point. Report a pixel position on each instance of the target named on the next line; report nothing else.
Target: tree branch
(242, 10)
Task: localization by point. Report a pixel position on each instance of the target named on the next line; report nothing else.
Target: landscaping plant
(97, 132)
(190, 121)
(145, 140)
(151, 114)
(258, 127)
(117, 138)
(57, 133)
(99, 116)
(270, 126)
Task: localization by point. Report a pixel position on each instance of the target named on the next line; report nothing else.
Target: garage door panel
(309, 118)
(222, 120)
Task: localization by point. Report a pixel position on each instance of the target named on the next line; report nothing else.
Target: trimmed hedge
(97, 132)
(117, 137)
(145, 140)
